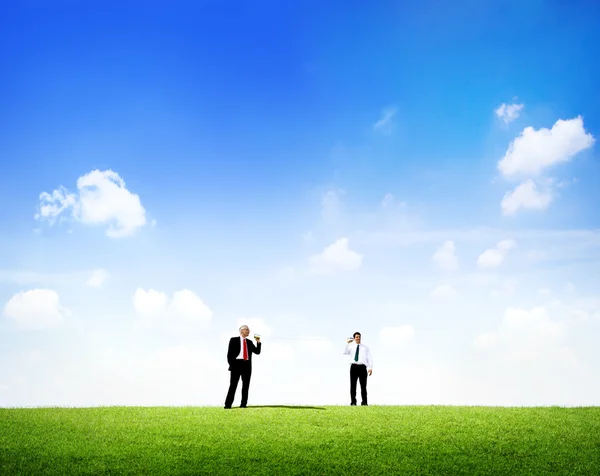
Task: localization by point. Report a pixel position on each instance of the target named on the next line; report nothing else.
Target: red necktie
(245, 350)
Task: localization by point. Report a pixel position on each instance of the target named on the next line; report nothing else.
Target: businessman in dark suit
(239, 357)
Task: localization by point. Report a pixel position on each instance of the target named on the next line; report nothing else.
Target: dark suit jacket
(235, 346)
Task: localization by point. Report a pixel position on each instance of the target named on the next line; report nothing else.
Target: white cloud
(535, 150)
(590, 307)
(103, 200)
(508, 289)
(35, 309)
(184, 311)
(387, 200)
(444, 291)
(186, 307)
(509, 112)
(445, 256)
(52, 205)
(384, 123)
(494, 257)
(397, 335)
(335, 258)
(98, 278)
(491, 258)
(525, 196)
(331, 205)
(524, 335)
(485, 341)
(150, 305)
(506, 245)
(581, 238)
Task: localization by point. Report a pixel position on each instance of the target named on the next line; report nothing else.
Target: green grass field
(281, 440)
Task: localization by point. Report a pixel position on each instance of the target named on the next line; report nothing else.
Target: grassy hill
(282, 440)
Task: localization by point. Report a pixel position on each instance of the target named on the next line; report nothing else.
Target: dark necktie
(245, 350)
(356, 355)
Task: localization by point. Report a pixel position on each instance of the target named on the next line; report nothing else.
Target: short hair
(242, 327)
(356, 334)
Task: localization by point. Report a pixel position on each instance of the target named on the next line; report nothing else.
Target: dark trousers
(240, 368)
(358, 371)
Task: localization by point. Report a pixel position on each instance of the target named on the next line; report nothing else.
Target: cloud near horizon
(445, 256)
(184, 311)
(35, 309)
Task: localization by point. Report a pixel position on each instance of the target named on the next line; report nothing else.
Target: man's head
(356, 337)
(244, 331)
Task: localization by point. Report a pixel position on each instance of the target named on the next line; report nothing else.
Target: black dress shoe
(364, 405)
(227, 408)
(353, 404)
(242, 406)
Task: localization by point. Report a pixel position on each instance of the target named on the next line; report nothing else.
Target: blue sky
(426, 173)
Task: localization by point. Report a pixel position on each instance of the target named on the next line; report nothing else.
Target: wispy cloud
(384, 124)
(97, 278)
(332, 205)
(444, 291)
(509, 112)
(68, 279)
(389, 201)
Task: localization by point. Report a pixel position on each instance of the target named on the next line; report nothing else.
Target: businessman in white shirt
(361, 365)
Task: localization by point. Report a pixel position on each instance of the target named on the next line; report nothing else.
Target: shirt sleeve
(347, 349)
(369, 359)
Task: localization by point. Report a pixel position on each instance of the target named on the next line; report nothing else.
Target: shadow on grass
(291, 407)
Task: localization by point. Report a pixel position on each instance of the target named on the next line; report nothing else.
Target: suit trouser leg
(353, 377)
(362, 376)
(246, 374)
(233, 383)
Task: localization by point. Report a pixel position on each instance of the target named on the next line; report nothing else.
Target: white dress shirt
(364, 354)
